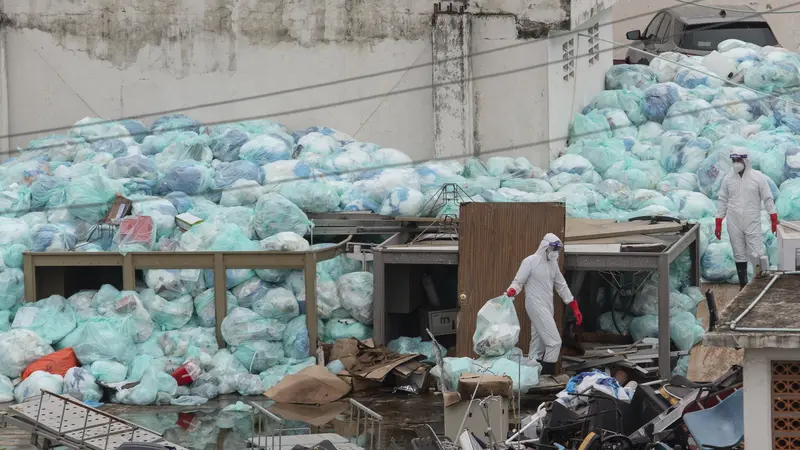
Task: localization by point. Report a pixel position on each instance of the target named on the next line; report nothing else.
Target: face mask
(553, 255)
(737, 166)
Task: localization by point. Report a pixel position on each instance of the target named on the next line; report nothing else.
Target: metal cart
(59, 420)
(270, 432)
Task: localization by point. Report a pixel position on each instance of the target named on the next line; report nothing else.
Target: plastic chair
(720, 427)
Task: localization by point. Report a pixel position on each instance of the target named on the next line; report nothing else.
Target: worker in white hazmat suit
(740, 197)
(539, 274)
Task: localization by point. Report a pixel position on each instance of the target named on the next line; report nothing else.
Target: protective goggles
(555, 245)
(738, 156)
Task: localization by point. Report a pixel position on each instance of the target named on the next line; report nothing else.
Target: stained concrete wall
(636, 14)
(67, 59)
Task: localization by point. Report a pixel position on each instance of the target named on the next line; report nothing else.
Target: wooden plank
(493, 239)
(310, 276)
(582, 229)
(599, 362)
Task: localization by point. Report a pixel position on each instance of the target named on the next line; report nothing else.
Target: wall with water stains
(360, 66)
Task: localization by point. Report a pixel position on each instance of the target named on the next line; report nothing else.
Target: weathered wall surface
(67, 59)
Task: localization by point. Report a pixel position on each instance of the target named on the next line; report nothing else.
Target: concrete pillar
(4, 125)
(757, 398)
(453, 99)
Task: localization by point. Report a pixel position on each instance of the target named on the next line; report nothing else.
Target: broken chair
(719, 427)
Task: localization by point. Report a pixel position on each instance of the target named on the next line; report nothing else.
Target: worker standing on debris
(538, 274)
(740, 197)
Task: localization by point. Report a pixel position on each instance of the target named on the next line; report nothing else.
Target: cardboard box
(186, 221)
(442, 322)
(119, 209)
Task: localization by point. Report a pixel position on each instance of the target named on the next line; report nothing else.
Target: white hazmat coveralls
(739, 200)
(539, 276)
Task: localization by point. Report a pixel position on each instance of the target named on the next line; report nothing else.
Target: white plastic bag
(497, 328)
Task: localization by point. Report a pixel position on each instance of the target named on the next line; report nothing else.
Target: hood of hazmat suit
(539, 275)
(739, 202)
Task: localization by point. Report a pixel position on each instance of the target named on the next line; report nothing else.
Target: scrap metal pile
(596, 412)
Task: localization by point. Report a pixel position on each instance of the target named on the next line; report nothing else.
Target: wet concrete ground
(203, 427)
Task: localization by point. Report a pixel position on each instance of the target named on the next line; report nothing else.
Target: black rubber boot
(548, 368)
(741, 271)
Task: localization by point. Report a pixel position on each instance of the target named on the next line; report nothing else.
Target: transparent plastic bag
(38, 381)
(275, 214)
(258, 356)
(204, 307)
(336, 329)
(189, 177)
(409, 345)
(283, 242)
(172, 283)
(402, 201)
(135, 233)
(79, 383)
(601, 153)
(90, 197)
(644, 327)
(99, 339)
(295, 338)
(109, 371)
(51, 318)
(168, 315)
(250, 292)
(134, 166)
(243, 325)
(313, 196)
(160, 210)
(278, 303)
(630, 76)
(683, 152)
(227, 173)
(52, 238)
(523, 377)
(614, 322)
(590, 126)
(685, 330)
(497, 327)
(267, 148)
(717, 263)
(20, 348)
(274, 375)
(629, 101)
(225, 143)
(355, 293)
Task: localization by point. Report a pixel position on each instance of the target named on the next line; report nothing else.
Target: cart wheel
(616, 442)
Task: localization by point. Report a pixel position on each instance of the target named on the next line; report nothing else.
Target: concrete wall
(758, 393)
(67, 59)
(636, 14)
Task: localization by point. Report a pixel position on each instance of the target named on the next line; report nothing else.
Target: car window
(664, 29)
(651, 29)
(702, 37)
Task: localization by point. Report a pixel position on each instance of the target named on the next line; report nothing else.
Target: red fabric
(718, 229)
(57, 363)
(774, 219)
(575, 310)
(511, 292)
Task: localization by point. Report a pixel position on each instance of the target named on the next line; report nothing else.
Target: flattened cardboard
(313, 385)
(343, 348)
(489, 385)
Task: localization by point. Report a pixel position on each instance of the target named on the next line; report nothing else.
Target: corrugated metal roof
(694, 14)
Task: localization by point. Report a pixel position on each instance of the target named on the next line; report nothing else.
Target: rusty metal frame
(217, 261)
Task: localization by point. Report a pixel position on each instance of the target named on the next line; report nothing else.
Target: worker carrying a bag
(740, 197)
(539, 274)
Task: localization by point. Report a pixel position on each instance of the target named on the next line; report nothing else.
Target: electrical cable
(345, 80)
(397, 165)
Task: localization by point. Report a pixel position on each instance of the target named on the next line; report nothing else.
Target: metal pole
(757, 299)
(664, 363)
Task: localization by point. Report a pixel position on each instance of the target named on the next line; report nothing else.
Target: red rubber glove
(511, 292)
(718, 229)
(774, 219)
(575, 310)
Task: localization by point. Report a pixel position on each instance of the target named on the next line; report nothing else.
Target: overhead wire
(330, 175)
(312, 86)
(368, 97)
(743, 11)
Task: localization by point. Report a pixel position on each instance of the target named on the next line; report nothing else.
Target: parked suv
(697, 30)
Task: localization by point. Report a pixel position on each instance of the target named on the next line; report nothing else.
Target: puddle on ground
(207, 427)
